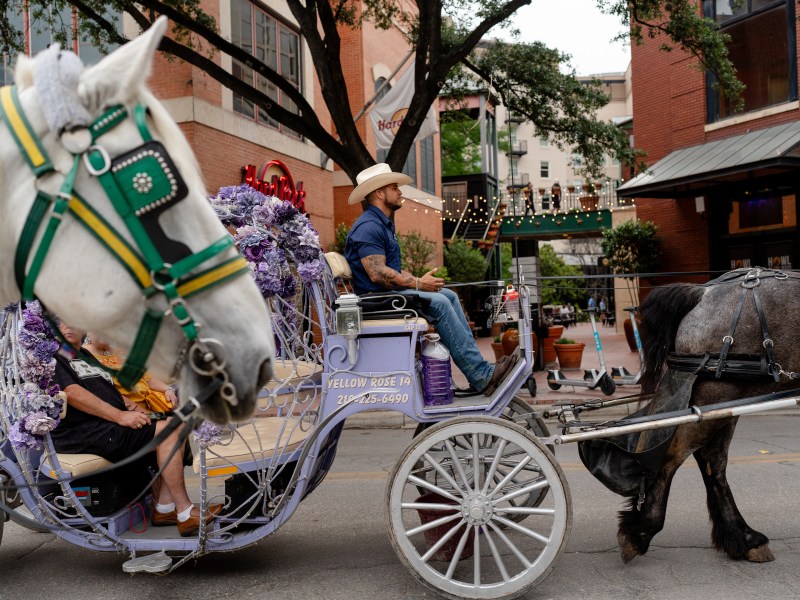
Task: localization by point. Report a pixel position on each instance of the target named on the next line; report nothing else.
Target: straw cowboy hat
(374, 178)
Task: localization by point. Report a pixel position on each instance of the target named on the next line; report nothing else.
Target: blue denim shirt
(372, 233)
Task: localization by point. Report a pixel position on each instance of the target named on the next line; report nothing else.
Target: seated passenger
(99, 422)
(149, 394)
(373, 253)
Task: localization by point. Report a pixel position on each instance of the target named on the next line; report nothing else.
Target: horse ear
(121, 76)
(23, 72)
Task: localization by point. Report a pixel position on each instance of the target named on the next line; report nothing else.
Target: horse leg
(729, 530)
(638, 527)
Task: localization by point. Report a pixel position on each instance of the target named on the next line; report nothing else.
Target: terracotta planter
(498, 350)
(589, 202)
(548, 352)
(629, 337)
(569, 355)
(510, 341)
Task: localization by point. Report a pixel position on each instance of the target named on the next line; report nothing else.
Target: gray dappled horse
(748, 305)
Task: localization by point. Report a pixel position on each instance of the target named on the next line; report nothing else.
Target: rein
(750, 281)
(140, 184)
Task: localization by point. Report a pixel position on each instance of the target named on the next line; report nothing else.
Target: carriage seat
(291, 376)
(74, 465)
(340, 269)
(253, 445)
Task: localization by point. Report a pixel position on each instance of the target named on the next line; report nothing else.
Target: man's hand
(429, 283)
(133, 419)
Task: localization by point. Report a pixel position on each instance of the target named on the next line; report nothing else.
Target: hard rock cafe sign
(273, 178)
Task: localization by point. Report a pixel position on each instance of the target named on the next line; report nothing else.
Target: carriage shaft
(696, 415)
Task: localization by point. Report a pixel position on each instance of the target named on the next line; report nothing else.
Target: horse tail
(661, 315)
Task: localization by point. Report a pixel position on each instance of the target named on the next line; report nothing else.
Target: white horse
(82, 283)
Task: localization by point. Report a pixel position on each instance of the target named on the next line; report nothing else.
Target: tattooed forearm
(375, 266)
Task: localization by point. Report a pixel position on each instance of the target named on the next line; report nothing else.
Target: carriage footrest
(152, 563)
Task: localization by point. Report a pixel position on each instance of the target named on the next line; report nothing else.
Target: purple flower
(21, 439)
(284, 212)
(207, 434)
(310, 271)
(264, 215)
(289, 287)
(39, 423)
(305, 254)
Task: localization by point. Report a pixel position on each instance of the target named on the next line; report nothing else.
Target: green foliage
(565, 341)
(631, 247)
(530, 79)
(497, 339)
(506, 260)
(416, 253)
(464, 263)
(339, 238)
(559, 291)
(460, 140)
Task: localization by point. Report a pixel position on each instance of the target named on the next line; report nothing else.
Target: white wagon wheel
(461, 539)
(519, 412)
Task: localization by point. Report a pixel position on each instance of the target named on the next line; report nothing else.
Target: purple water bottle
(436, 388)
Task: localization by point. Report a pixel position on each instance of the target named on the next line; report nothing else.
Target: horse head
(138, 255)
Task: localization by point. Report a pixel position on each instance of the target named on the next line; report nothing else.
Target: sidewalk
(615, 352)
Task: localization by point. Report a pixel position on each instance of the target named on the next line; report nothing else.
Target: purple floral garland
(42, 399)
(267, 229)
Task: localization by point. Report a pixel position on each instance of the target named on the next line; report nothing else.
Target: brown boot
(501, 368)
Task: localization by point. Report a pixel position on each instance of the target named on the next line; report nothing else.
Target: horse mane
(661, 316)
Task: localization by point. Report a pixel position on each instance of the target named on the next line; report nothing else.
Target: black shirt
(81, 432)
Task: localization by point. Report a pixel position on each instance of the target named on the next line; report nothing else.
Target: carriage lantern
(348, 322)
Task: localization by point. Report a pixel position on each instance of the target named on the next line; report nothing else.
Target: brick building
(722, 185)
(227, 132)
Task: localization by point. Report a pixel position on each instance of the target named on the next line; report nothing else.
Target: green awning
(684, 172)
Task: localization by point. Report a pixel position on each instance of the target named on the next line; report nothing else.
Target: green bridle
(140, 184)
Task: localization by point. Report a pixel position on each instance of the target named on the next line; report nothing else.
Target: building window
(38, 34)
(543, 141)
(273, 43)
(544, 169)
(762, 48)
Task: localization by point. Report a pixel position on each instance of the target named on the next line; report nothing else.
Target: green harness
(140, 184)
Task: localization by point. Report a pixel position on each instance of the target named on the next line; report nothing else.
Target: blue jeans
(451, 325)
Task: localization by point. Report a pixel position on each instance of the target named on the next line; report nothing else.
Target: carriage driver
(99, 421)
(373, 253)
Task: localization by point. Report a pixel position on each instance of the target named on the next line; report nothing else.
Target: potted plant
(510, 340)
(497, 346)
(569, 352)
(631, 248)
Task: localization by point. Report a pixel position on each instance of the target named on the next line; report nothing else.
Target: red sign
(280, 184)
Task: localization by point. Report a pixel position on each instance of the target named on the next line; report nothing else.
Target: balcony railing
(600, 196)
(519, 180)
(518, 148)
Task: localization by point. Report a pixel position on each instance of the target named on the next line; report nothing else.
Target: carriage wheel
(607, 385)
(461, 539)
(518, 411)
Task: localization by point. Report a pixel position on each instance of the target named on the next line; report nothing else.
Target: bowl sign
(273, 178)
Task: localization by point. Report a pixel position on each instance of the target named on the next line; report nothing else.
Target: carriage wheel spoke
(492, 474)
(524, 510)
(444, 539)
(519, 492)
(476, 554)
(441, 470)
(523, 530)
(476, 465)
(424, 483)
(432, 525)
(498, 560)
(511, 546)
(457, 464)
(459, 551)
(511, 475)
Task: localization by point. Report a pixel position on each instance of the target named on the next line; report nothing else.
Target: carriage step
(152, 563)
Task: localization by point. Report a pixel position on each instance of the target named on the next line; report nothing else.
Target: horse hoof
(759, 554)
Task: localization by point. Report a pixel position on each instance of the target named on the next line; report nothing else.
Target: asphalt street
(336, 545)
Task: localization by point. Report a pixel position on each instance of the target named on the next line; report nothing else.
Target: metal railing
(587, 198)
